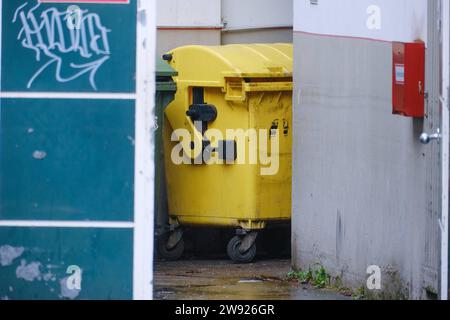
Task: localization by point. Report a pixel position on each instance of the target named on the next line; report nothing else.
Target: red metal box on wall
(408, 79)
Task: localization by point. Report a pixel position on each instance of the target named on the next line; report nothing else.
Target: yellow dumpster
(227, 143)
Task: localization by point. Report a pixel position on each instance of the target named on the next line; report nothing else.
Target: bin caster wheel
(167, 253)
(236, 255)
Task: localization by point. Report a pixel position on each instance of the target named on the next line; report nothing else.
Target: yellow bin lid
(211, 66)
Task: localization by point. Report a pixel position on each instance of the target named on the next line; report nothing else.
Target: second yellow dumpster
(228, 142)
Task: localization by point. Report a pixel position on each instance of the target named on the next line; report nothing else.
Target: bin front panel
(235, 192)
(273, 110)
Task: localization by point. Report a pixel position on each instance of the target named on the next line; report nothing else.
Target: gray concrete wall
(174, 38)
(359, 172)
(275, 35)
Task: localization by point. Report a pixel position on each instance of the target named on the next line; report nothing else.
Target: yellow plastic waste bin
(227, 142)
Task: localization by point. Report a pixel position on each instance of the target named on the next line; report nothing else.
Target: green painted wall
(69, 160)
(34, 264)
(106, 53)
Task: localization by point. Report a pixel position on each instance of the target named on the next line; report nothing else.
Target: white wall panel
(399, 20)
(188, 13)
(248, 14)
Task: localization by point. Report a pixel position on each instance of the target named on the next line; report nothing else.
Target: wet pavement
(223, 280)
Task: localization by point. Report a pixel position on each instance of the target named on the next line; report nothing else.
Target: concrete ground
(223, 280)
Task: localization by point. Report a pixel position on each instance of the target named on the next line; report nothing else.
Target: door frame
(445, 141)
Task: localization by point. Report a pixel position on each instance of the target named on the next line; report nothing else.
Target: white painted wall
(188, 13)
(400, 20)
(364, 188)
(250, 14)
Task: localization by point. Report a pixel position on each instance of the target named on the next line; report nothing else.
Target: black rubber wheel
(170, 254)
(236, 255)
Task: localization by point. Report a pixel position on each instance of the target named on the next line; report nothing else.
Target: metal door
(437, 127)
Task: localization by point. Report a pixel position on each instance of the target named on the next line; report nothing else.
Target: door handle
(426, 138)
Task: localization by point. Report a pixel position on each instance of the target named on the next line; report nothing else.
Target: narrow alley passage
(223, 280)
